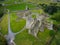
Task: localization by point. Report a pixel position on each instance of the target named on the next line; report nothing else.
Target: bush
(43, 5)
(0, 5)
(50, 9)
(52, 33)
(56, 16)
(1, 10)
(1, 14)
(53, 4)
(57, 41)
(1, 0)
(2, 40)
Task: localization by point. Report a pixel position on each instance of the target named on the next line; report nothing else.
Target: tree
(2, 40)
(2, 10)
(56, 16)
(51, 9)
(51, 33)
(1, 0)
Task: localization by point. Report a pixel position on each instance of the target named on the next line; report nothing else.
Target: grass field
(21, 6)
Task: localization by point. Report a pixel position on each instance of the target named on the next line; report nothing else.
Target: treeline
(52, 9)
(1, 10)
(1, 0)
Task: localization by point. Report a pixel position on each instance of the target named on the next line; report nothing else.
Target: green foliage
(56, 16)
(2, 40)
(43, 5)
(50, 9)
(34, 16)
(1, 0)
(57, 41)
(52, 33)
(1, 10)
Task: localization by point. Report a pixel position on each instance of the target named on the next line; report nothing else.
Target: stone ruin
(34, 25)
(39, 24)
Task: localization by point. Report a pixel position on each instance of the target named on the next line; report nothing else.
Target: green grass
(34, 1)
(4, 24)
(15, 26)
(10, 1)
(31, 40)
(56, 40)
(39, 1)
(21, 6)
(39, 11)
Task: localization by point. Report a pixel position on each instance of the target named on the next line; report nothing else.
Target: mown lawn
(21, 6)
(15, 26)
